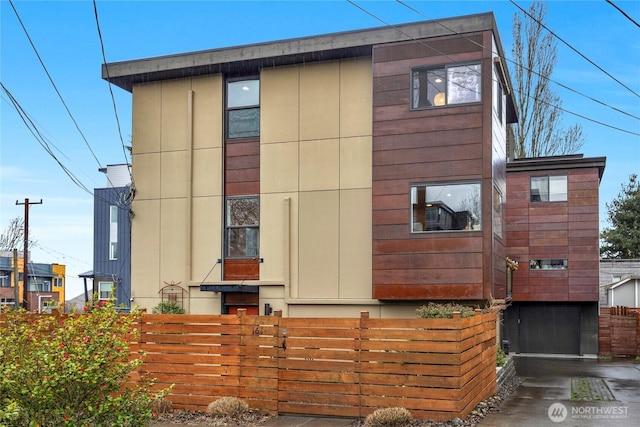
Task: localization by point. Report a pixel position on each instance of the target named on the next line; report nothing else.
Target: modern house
(111, 275)
(365, 170)
(325, 175)
(553, 231)
(620, 282)
(46, 284)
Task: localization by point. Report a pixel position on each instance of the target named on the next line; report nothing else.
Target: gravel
(255, 418)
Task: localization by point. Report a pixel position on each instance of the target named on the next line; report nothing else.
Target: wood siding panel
(563, 230)
(432, 145)
(241, 269)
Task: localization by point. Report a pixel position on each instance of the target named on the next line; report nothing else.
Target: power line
(530, 70)
(525, 94)
(41, 139)
(53, 83)
(113, 99)
(623, 12)
(574, 49)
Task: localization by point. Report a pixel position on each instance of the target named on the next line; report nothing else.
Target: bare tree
(13, 236)
(539, 131)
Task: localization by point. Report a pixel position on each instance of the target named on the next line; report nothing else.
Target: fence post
(364, 316)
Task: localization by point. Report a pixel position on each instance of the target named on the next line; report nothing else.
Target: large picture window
(242, 223)
(445, 206)
(437, 87)
(548, 188)
(243, 109)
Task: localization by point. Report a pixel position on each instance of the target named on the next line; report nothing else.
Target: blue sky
(66, 38)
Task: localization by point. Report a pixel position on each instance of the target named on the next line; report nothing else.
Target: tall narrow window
(437, 87)
(243, 109)
(497, 212)
(242, 223)
(113, 232)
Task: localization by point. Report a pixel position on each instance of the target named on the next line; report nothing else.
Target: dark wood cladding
(241, 269)
(433, 145)
(562, 230)
(241, 178)
(242, 167)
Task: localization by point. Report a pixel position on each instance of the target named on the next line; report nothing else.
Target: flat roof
(253, 57)
(568, 161)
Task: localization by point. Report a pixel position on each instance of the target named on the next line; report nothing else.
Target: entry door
(550, 329)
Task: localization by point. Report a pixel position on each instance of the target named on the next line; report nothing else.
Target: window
(57, 282)
(5, 281)
(436, 87)
(445, 206)
(548, 264)
(549, 188)
(113, 233)
(105, 290)
(113, 214)
(497, 212)
(243, 109)
(36, 284)
(242, 223)
(498, 99)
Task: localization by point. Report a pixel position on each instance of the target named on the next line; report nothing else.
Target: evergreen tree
(622, 239)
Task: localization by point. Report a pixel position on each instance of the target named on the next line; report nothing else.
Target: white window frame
(104, 295)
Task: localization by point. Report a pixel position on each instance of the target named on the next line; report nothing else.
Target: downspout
(189, 215)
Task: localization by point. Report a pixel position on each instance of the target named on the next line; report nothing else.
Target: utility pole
(25, 278)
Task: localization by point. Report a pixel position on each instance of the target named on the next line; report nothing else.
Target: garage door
(550, 329)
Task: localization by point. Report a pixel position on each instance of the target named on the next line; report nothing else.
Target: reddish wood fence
(619, 331)
(437, 368)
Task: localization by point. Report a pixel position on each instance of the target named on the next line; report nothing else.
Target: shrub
(443, 311)
(230, 408)
(72, 370)
(162, 405)
(166, 307)
(501, 358)
(389, 417)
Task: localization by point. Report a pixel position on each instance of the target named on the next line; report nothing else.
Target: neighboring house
(553, 232)
(45, 289)
(112, 236)
(625, 292)
(617, 277)
(325, 175)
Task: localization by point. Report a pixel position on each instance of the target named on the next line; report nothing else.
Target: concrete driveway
(605, 393)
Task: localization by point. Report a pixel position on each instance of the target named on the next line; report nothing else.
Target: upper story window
(445, 206)
(447, 85)
(113, 233)
(243, 109)
(552, 188)
(498, 100)
(243, 226)
(57, 282)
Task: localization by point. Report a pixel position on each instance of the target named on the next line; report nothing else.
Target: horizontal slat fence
(619, 331)
(437, 368)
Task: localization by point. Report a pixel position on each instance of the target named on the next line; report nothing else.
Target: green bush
(389, 417)
(443, 311)
(72, 370)
(501, 358)
(166, 307)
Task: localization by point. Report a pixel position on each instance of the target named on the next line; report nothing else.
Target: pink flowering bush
(72, 370)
